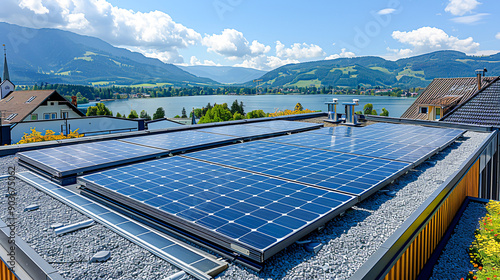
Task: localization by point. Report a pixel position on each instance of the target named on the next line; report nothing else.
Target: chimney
(479, 73)
(73, 101)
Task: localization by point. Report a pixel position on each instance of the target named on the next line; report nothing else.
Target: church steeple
(6, 75)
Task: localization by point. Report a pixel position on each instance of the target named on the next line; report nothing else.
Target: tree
(298, 107)
(118, 115)
(144, 115)
(99, 110)
(219, 113)
(367, 110)
(384, 113)
(238, 116)
(133, 115)
(160, 113)
(256, 114)
(237, 108)
(184, 115)
(374, 112)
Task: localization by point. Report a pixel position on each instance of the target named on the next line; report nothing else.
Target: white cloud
(498, 36)
(461, 7)
(387, 11)
(342, 54)
(233, 45)
(470, 19)
(298, 51)
(263, 62)
(196, 61)
(154, 30)
(427, 39)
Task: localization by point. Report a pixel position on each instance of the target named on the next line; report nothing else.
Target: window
(438, 113)
(34, 117)
(423, 110)
(30, 99)
(64, 115)
(11, 116)
(49, 116)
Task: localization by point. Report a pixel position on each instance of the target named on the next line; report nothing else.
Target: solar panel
(174, 251)
(73, 159)
(261, 129)
(353, 174)
(397, 133)
(180, 140)
(394, 151)
(250, 214)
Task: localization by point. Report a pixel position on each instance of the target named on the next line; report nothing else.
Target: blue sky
(268, 34)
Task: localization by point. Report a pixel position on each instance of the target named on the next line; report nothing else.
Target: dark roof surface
(24, 103)
(445, 92)
(483, 108)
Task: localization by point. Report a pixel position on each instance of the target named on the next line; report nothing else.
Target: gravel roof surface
(348, 240)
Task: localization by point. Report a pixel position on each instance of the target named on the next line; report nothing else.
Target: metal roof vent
(31, 207)
(74, 227)
(101, 256)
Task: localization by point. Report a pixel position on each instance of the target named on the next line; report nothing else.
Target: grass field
(306, 83)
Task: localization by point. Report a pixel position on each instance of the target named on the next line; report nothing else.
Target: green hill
(371, 71)
(55, 56)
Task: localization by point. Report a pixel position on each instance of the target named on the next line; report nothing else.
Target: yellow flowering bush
(290, 112)
(36, 136)
(485, 250)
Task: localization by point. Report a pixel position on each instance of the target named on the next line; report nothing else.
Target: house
(22, 106)
(443, 95)
(482, 108)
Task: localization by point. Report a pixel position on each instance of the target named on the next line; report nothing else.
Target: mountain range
(370, 71)
(56, 56)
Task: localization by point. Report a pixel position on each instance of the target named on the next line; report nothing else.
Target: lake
(269, 103)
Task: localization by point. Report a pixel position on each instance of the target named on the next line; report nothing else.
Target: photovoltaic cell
(357, 175)
(180, 140)
(393, 151)
(397, 133)
(259, 215)
(70, 160)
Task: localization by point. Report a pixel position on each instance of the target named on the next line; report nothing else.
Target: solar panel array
(64, 163)
(357, 175)
(236, 209)
(70, 160)
(180, 140)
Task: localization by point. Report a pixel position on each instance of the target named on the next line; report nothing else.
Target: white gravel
(348, 240)
(454, 262)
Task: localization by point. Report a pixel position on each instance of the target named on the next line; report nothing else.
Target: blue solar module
(251, 214)
(357, 175)
(180, 140)
(261, 129)
(394, 151)
(397, 133)
(73, 159)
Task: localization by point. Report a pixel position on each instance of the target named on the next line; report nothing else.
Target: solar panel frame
(181, 141)
(193, 215)
(353, 174)
(47, 162)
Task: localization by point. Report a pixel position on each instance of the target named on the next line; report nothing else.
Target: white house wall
(41, 110)
(88, 126)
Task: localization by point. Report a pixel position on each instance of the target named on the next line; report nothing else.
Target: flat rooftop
(348, 240)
